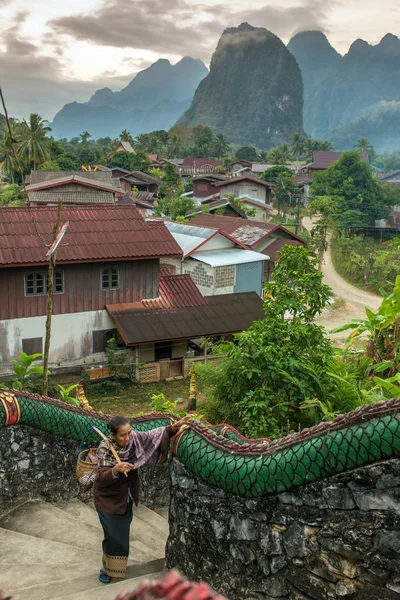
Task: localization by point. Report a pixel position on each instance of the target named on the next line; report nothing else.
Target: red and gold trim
(11, 408)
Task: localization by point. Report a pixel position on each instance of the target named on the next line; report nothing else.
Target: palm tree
(8, 154)
(221, 146)
(125, 136)
(280, 155)
(33, 147)
(85, 136)
(364, 145)
(297, 145)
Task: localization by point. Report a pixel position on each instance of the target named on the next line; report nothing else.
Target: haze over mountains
(254, 95)
(349, 97)
(154, 99)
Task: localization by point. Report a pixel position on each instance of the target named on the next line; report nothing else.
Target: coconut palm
(125, 136)
(33, 148)
(221, 145)
(364, 145)
(297, 145)
(280, 155)
(8, 158)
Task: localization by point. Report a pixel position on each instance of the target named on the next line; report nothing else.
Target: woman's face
(122, 435)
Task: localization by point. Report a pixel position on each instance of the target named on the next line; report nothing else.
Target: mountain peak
(359, 47)
(270, 88)
(389, 44)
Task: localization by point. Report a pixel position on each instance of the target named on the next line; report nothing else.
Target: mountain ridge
(253, 92)
(153, 99)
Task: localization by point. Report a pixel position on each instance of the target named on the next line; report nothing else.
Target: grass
(133, 399)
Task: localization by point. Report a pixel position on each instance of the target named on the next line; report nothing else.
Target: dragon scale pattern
(220, 456)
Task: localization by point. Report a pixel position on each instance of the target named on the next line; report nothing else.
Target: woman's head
(120, 428)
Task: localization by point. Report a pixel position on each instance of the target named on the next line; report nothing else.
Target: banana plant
(382, 328)
(65, 394)
(25, 368)
(390, 385)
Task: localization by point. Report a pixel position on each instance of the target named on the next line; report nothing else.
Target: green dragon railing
(220, 456)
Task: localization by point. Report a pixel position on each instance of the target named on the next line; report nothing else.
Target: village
(200, 302)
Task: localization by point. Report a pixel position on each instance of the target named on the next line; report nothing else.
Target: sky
(54, 52)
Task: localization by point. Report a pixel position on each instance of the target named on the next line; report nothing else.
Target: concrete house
(217, 263)
(263, 238)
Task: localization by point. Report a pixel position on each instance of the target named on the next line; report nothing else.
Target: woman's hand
(122, 467)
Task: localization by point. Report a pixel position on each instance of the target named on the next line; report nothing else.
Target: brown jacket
(110, 494)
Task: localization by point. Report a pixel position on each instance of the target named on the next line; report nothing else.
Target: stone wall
(336, 538)
(34, 464)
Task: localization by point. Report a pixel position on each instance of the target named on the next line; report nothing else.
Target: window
(100, 339)
(109, 278)
(32, 345)
(36, 283)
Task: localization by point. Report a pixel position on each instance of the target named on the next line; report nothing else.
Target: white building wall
(245, 189)
(71, 337)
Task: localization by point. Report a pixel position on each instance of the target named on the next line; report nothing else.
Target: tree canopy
(352, 184)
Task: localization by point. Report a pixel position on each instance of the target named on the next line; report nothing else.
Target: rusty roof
(221, 315)
(95, 234)
(202, 162)
(244, 178)
(67, 180)
(99, 176)
(324, 159)
(246, 231)
(277, 245)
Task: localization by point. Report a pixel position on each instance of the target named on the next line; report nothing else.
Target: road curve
(342, 288)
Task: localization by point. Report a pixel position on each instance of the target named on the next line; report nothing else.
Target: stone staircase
(53, 551)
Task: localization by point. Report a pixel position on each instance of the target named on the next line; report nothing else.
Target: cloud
(34, 82)
(175, 27)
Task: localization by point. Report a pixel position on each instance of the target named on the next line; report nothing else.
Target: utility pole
(297, 194)
(51, 256)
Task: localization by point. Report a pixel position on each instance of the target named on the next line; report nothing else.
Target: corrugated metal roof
(99, 176)
(223, 258)
(246, 231)
(323, 159)
(94, 234)
(70, 179)
(89, 197)
(244, 178)
(277, 245)
(181, 291)
(228, 313)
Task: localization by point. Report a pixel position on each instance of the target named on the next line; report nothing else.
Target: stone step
(14, 578)
(74, 584)
(141, 531)
(20, 549)
(111, 590)
(45, 521)
(154, 520)
(163, 512)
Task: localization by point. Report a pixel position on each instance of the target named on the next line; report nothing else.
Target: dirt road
(350, 301)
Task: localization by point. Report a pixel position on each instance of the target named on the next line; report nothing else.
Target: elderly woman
(116, 486)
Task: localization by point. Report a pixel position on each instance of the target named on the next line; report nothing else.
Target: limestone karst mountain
(253, 93)
(353, 96)
(154, 99)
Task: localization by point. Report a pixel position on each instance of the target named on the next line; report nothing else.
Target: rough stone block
(339, 566)
(295, 541)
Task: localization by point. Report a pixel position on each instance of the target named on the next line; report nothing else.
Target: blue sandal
(103, 577)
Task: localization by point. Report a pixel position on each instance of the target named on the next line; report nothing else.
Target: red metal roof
(101, 233)
(246, 231)
(220, 315)
(201, 162)
(323, 159)
(181, 291)
(244, 178)
(277, 245)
